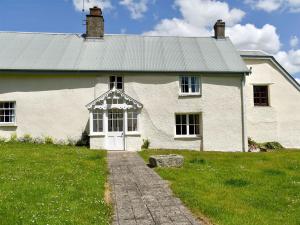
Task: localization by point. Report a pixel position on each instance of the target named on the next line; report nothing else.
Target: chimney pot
(219, 28)
(95, 23)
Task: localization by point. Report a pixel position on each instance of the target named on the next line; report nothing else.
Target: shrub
(13, 137)
(273, 145)
(49, 140)
(38, 140)
(146, 144)
(2, 139)
(26, 138)
(84, 140)
(252, 145)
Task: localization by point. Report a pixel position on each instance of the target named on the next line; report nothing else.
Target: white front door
(115, 130)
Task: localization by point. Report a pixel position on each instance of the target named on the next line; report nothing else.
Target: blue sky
(269, 25)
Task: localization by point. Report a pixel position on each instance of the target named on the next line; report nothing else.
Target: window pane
(260, 95)
(132, 121)
(178, 130)
(184, 130)
(191, 119)
(197, 129)
(119, 79)
(195, 84)
(178, 119)
(192, 129)
(120, 86)
(183, 119)
(184, 84)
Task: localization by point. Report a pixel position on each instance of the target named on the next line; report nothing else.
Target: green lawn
(48, 184)
(238, 188)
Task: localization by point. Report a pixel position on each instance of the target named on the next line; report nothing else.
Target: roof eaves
(279, 66)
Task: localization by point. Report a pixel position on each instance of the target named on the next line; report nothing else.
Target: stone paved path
(140, 196)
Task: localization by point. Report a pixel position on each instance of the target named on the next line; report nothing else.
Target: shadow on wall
(36, 83)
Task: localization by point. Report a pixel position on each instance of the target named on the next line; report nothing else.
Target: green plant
(13, 137)
(146, 144)
(84, 140)
(49, 140)
(38, 140)
(273, 145)
(26, 138)
(2, 139)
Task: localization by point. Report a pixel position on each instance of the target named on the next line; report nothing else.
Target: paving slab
(140, 196)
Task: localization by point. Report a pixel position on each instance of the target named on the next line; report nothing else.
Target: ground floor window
(7, 112)
(97, 121)
(187, 124)
(132, 121)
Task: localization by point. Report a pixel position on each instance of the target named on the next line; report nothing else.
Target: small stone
(166, 161)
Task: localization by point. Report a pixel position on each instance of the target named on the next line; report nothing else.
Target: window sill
(187, 137)
(189, 95)
(137, 134)
(262, 106)
(8, 125)
(97, 135)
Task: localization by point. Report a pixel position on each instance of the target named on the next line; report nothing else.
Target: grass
(238, 188)
(48, 184)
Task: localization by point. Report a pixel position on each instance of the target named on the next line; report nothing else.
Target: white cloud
(298, 80)
(273, 5)
(194, 23)
(250, 37)
(294, 41)
(203, 13)
(289, 60)
(137, 8)
(103, 4)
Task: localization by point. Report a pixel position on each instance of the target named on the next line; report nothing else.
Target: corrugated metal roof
(45, 51)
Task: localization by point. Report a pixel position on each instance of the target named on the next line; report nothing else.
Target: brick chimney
(219, 29)
(95, 23)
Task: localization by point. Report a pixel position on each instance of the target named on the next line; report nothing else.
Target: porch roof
(99, 102)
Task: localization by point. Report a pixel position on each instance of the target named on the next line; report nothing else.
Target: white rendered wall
(281, 120)
(55, 106)
(48, 105)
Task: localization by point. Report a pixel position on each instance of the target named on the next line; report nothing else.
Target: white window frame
(137, 120)
(190, 93)
(3, 124)
(115, 83)
(92, 133)
(187, 126)
(132, 133)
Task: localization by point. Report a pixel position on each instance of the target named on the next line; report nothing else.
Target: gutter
(244, 116)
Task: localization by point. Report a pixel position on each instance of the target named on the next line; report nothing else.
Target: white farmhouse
(195, 93)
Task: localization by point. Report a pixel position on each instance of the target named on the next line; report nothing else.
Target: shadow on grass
(237, 183)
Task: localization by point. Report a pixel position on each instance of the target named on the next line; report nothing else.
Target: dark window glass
(7, 112)
(116, 81)
(185, 84)
(261, 95)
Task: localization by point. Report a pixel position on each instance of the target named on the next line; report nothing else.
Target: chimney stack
(95, 23)
(219, 29)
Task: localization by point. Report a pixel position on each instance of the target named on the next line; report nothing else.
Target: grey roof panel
(45, 51)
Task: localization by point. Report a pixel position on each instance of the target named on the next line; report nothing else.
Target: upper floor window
(189, 85)
(7, 112)
(261, 95)
(187, 124)
(116, 82)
